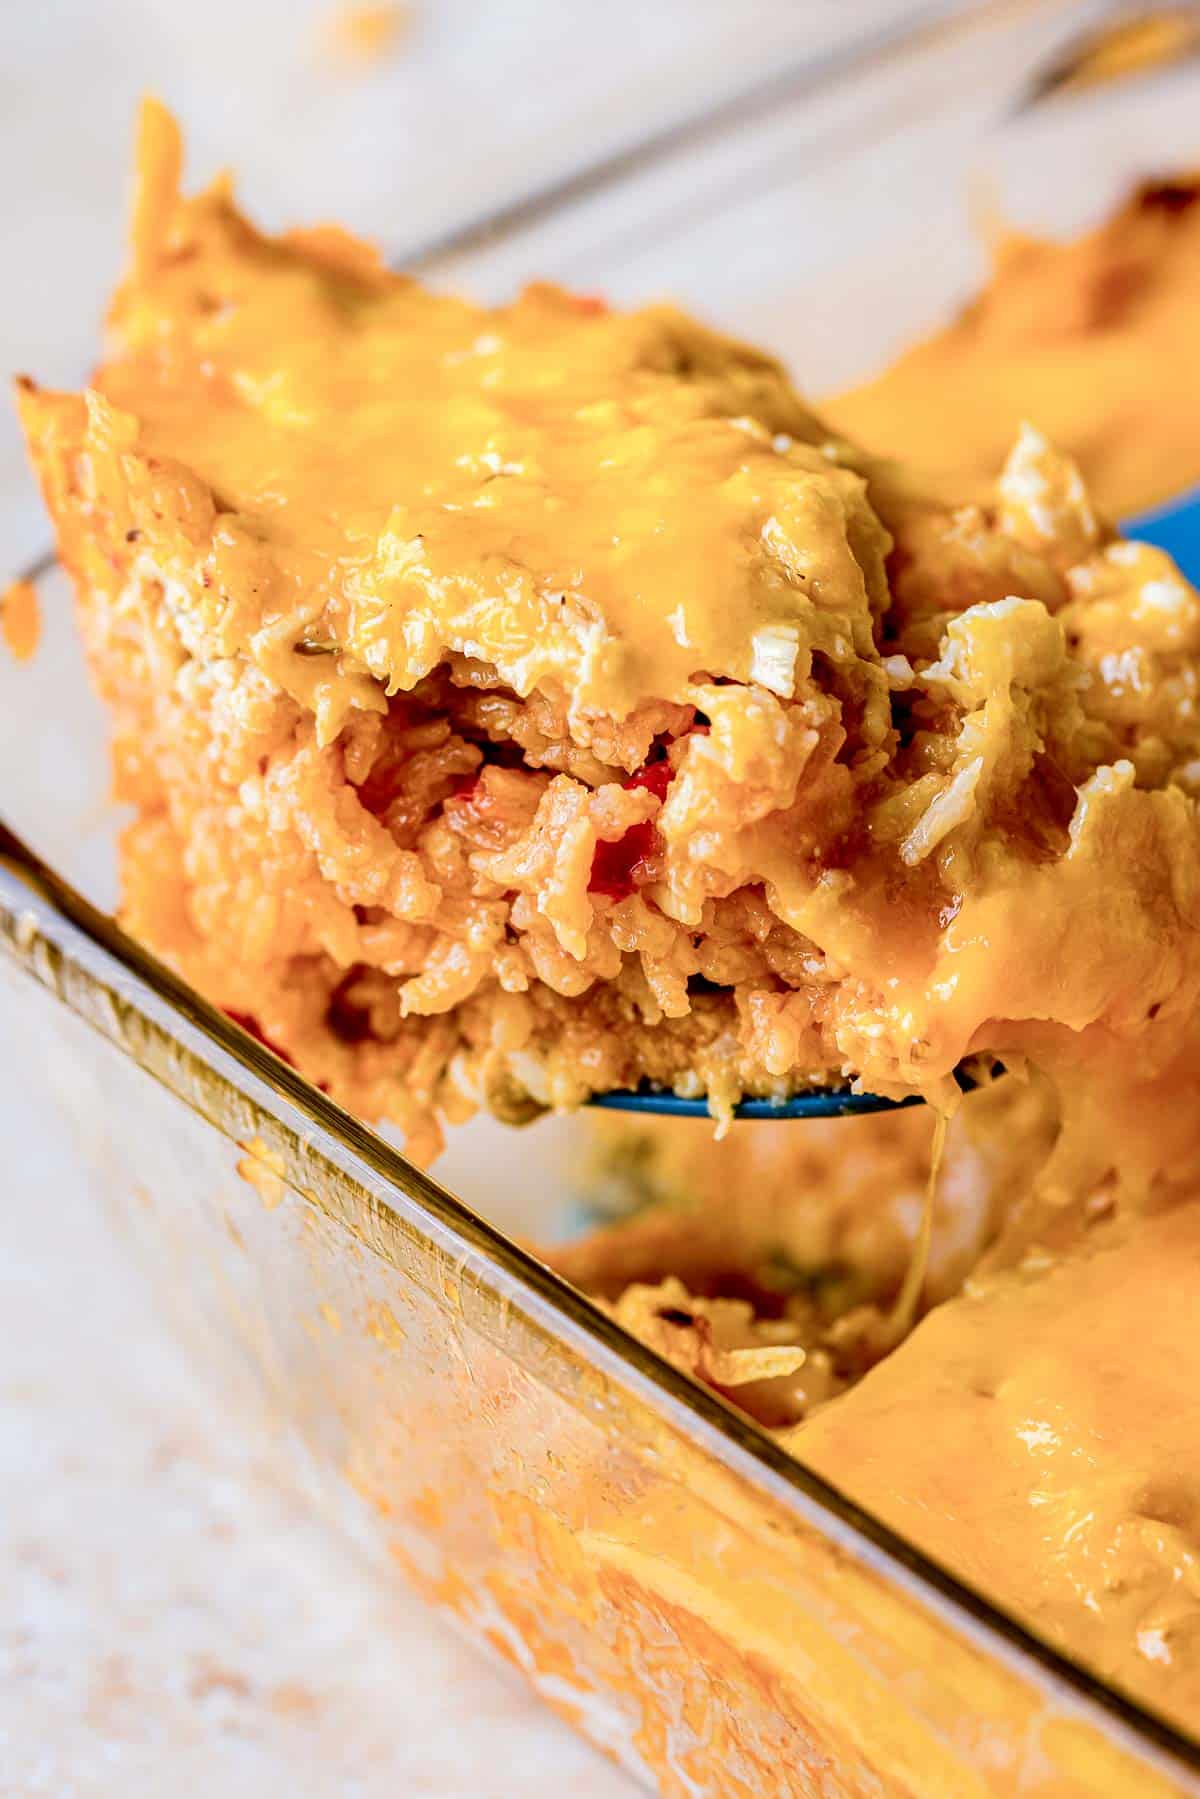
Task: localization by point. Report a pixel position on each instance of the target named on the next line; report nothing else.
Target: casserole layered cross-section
(530, 702)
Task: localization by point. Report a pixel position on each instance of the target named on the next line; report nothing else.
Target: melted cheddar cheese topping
(407, 475)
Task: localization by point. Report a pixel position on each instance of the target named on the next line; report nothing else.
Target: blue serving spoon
(1175, 528)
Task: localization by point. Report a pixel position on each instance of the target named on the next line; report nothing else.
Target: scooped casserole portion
(524, 703)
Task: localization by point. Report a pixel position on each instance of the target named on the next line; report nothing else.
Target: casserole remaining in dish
(1042, 1434)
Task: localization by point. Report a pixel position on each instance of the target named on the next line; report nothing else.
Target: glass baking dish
(700, 1606)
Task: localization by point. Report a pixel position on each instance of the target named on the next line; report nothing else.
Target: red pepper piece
(252, 1026)
(620, 868)
(656, 777)
(590, 305)
(464, 787)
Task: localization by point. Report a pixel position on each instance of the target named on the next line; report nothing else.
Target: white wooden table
(172, 1619)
